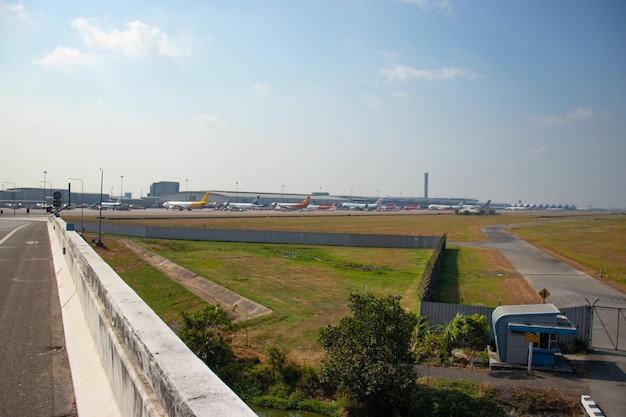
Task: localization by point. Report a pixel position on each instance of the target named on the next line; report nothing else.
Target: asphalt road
(570, 287)
(35, 373)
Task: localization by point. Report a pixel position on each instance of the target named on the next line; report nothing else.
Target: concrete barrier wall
(150, 370)
(269, 236)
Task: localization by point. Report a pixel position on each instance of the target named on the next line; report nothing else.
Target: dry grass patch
(591, 245)
(424, 223)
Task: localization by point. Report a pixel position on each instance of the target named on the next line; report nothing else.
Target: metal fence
(440, 314)
(270, 236)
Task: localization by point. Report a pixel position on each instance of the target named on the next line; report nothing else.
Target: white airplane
(244, 206)
(293, 206)
(363, 206)
(187, 205)
(113, 205)
(445, 206)
(478, 206)
(312, 207)
(515, 208)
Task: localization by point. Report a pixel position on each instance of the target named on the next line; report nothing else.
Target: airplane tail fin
(205, 199)
(256, 200)
(307, 199)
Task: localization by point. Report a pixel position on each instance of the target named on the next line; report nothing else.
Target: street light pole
(100, 216)
(121, 185)
(82, 203)
(44, 190)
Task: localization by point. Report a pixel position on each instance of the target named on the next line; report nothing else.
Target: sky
(520, 100)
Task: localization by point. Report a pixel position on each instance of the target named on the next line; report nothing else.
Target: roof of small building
(524, 310)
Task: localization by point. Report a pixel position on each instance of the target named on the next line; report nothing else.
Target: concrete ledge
(92, 391)
(150, 370)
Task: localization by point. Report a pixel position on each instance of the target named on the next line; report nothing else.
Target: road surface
(35, 379)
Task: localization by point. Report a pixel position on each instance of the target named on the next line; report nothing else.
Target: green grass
(309, 290)
(167, 298)
(307, 287)
(596, 243)
(482, 277)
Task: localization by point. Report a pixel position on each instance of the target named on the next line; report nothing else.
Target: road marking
(4, 239)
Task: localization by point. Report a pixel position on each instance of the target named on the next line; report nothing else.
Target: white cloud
(262, 89)
(64, 57)
(137, 39)
(576, 114)
(404, 73)
(443, 5)
(213, 122)
(13, 9)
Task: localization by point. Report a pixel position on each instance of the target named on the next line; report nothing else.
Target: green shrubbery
(367, 371)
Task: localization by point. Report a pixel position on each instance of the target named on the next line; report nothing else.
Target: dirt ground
(566, 386)
(573, 383)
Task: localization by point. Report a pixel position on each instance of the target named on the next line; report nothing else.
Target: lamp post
(186, 183)
(44, 193)
(44, 189)
(9, 182)
(236, 189)
(99, 243)
(121, 186)
(82, 204)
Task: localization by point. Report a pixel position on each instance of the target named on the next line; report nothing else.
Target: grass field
(307, 287)
(425, 223)
(590, 244)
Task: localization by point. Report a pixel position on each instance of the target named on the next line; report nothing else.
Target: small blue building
(516, 326)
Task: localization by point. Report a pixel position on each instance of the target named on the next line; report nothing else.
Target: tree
(471, 331)
(205, 332)
(366, 353)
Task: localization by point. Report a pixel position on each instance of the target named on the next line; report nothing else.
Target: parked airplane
(363, 206)
(244, 206)
(293, 206)
(478, 206)
(389, 207)
(445, 206)
(415, 207)
(113, 205)
(322, 206)
(187, 205)
(516, 208)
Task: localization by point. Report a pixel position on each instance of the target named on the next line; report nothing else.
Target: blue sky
(502, 100)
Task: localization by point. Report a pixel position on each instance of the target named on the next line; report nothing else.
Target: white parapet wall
(149, 369)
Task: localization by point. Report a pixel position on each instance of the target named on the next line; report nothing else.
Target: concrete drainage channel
(202, 287)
